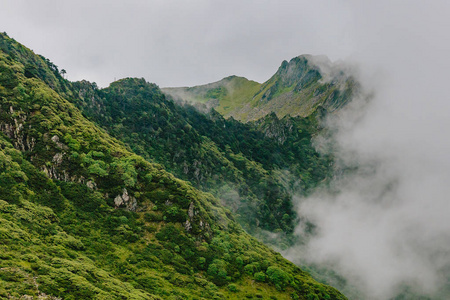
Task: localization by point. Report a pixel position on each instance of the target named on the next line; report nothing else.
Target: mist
(383, 223)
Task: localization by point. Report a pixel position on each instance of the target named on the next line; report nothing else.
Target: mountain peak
(298, 87)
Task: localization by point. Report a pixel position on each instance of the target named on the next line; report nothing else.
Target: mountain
(84, 217)
(244, 165)
(226, 95)
(298, 88)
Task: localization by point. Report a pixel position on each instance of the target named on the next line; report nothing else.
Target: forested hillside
(83, 217)
(250, 167)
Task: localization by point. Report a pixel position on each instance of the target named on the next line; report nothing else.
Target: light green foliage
(125, 167)
(72, 143)
(217, 272)
(82, 217)
(260, 276)
(239, 163)
(232, 287)
(231, 93)
(296, 89)
(278, 277)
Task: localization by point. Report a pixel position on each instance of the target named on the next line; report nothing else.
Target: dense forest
(92, 211)
(251, 167)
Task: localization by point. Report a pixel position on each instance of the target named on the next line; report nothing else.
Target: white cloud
(387, 225)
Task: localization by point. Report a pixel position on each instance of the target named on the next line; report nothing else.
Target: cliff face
(298, 88)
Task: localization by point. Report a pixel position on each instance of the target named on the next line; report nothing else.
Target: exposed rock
(196, 165)
(19, 138)
(80, 179)
(53, 173)
(185, 167)
(195, 218)
(187, 226)
(128, 201)
(190, 219)
(57, 159)
(30, 143)
(91, 184)
(60, 145)
(191, 210)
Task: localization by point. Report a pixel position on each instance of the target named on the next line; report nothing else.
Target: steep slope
(239, 163)
(298, 88)
(226, 96)
(82, 217)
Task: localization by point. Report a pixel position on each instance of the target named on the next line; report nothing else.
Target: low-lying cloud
(384, 221)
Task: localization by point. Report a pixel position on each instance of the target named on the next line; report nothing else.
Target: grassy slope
(82, 217)
(296, 89)
(231, 92)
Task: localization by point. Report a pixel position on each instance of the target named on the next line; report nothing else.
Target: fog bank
(385, 225)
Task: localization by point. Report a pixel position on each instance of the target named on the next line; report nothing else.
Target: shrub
(152, 217)
(260, 277)
(217, 272)
(277, 277)
(232, 288)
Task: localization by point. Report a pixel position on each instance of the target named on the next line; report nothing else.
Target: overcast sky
(386, 226)
(178, 43)
(389, 225)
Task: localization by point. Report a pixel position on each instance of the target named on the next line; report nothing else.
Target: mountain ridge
(297, 88)
(83, 217)
(213, 153)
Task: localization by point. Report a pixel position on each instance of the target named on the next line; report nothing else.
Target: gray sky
(177, 43)
(387, 226)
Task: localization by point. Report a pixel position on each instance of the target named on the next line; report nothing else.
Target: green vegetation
(227, 95)
(83, 217)
(296, 89)
(250, 167)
